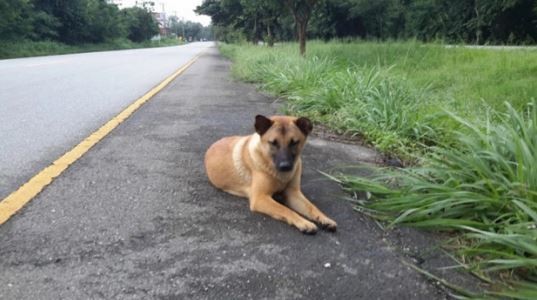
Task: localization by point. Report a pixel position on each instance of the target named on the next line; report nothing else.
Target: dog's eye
(274, 143)
(293, 143)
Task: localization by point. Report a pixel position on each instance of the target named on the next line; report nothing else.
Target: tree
(194, 30)
(253, 19)
(261, 16)
(335, 18)
(73, 20)
(227, 18)
(479, 21)
(505, 20)
(271, 13)
(140, 24)
(103, 22)
(77, 21)
(44, 26)
(207, 33)
(14, 21)
(301, 10)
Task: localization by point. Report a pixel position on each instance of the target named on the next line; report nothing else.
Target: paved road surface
(49, 104)
(136, 218)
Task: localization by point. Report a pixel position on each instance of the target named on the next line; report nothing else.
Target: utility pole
(183, 25)
(176, 29)
(164, 19)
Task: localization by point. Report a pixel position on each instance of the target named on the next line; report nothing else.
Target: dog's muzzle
(284, 160)
(285, 166)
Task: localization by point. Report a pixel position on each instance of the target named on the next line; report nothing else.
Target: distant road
(49, 104)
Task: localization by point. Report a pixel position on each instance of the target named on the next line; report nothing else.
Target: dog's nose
(285, 166)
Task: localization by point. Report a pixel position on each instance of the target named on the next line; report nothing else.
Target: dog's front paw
(328, 224)
(306, 227)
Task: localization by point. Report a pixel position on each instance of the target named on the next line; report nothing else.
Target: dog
(265, 164)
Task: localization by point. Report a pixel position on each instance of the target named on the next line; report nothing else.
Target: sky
(183, 9)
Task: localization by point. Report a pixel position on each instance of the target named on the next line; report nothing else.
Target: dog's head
(282, 139)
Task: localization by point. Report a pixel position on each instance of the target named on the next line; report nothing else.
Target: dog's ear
(262, 124)
(304, 124)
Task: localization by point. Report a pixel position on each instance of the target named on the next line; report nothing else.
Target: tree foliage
(73, 21)
(189, 30)
(139, 24)
(258, 19)
(253, 19)
(14, 19)
(301, 11)
(467, 21)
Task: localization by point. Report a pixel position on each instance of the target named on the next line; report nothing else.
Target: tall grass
(458, 76)
(365, 101)
(485, 188)
(470, 115)
(394, 93)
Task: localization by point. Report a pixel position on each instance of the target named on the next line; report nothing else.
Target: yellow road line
(16, 200)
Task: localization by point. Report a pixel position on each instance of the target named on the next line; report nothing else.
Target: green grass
(486, 189)
(456, 74)
(467, 116)
(393, 93)
(9, 49)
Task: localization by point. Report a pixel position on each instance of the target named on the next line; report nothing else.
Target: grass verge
(393, 93)
(471, 117)
(486, 189)
(16, 49)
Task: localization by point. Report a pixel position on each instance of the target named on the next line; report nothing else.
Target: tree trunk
(478, 23)
(270, 39)
(301, 26)
(255, 40)
(301, 10)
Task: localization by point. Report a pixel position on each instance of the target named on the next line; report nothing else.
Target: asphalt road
(49, 104)
(136, 218)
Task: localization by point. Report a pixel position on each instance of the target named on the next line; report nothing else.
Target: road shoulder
(136, 217)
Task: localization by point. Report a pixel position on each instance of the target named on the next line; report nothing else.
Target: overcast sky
(184, 8)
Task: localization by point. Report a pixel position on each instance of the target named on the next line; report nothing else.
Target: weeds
(485, 188)
(463, 112)
(391, 93)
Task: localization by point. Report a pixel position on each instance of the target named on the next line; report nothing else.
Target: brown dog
(266, 163)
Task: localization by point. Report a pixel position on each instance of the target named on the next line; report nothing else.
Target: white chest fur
(238, 163)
